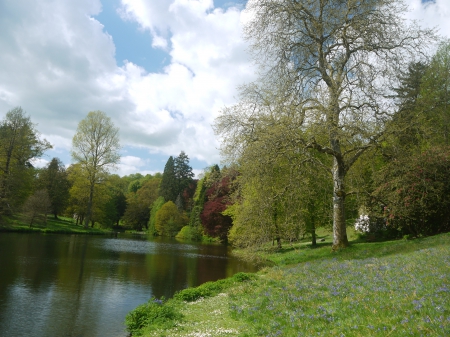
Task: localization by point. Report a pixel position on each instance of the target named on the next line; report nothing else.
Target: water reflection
(56, 285)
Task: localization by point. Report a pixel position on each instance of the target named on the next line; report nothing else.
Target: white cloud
(39, 162)
(435, 14)
(131, 164)
(58, 63)
(208, 61)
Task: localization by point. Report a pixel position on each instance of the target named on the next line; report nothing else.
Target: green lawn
(61, 225)
(393, 288)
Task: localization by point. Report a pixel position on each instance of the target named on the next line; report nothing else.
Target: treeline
(169, 203)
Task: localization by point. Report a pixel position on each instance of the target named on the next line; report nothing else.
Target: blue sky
(161, 69)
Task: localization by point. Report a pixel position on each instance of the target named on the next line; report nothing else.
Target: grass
(393, 288)
(62, 225)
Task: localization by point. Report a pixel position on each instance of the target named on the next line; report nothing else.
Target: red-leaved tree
(218, 198)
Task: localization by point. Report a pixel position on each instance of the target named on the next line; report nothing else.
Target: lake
(83, 286)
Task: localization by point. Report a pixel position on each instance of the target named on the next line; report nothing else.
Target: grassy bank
(61, 225)
(394, 288)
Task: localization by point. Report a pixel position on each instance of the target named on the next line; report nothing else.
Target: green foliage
(176, 178)
(199, 198)
(155, 207)
(316, 93)
(276, 201)
(183, 172)
(414, 193)
(54, 179)
(190, 233)
(137, 213)
(155, 314)
(434, 98)
(116, 205)
(79, 197)
(209, 289)
(37, 207)
(169, 221)
(168, 188)
(95, 148)
(19, 143)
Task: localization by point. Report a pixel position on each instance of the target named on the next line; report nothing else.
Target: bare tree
(329, 66)
(95, 147)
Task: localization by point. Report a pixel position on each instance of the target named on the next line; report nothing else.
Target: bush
(209, 289)
(190, 233)
(155, 314)
(168, 220)
(416, 193)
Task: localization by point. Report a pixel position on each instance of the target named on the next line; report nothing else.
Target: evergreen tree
(183, 172)
(168, 188)
(176, 178)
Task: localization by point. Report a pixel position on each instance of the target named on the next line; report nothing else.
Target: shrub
(155, 314)
(190, 233)
(209, 289)
(169, 221)
(366, 224)
(416, 193)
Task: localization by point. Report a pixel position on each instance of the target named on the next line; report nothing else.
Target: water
(83, 286)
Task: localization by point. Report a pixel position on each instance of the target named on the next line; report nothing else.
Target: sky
(162, 70)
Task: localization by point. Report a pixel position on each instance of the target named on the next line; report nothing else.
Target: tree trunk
(339, 228)
(313, 237)
(89, 206)
(278, 239)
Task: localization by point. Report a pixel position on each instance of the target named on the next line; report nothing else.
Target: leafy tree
(274, 200)
(79, 196)
(214, 221)
(414, 193)
(95, 147)
(37, 206)
(54, 179)
(19, 143)
(155, 207)
(434, 97)
(168, 220)
(313, 58)
(407, 121)
(117, 203)
(137, 213)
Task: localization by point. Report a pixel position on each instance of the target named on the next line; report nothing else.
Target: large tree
(55, 180)
(95, 147)
(19, 143)
(183, 172)
(176, 178)
(137, 213)
(329, 65)
(168, 189)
